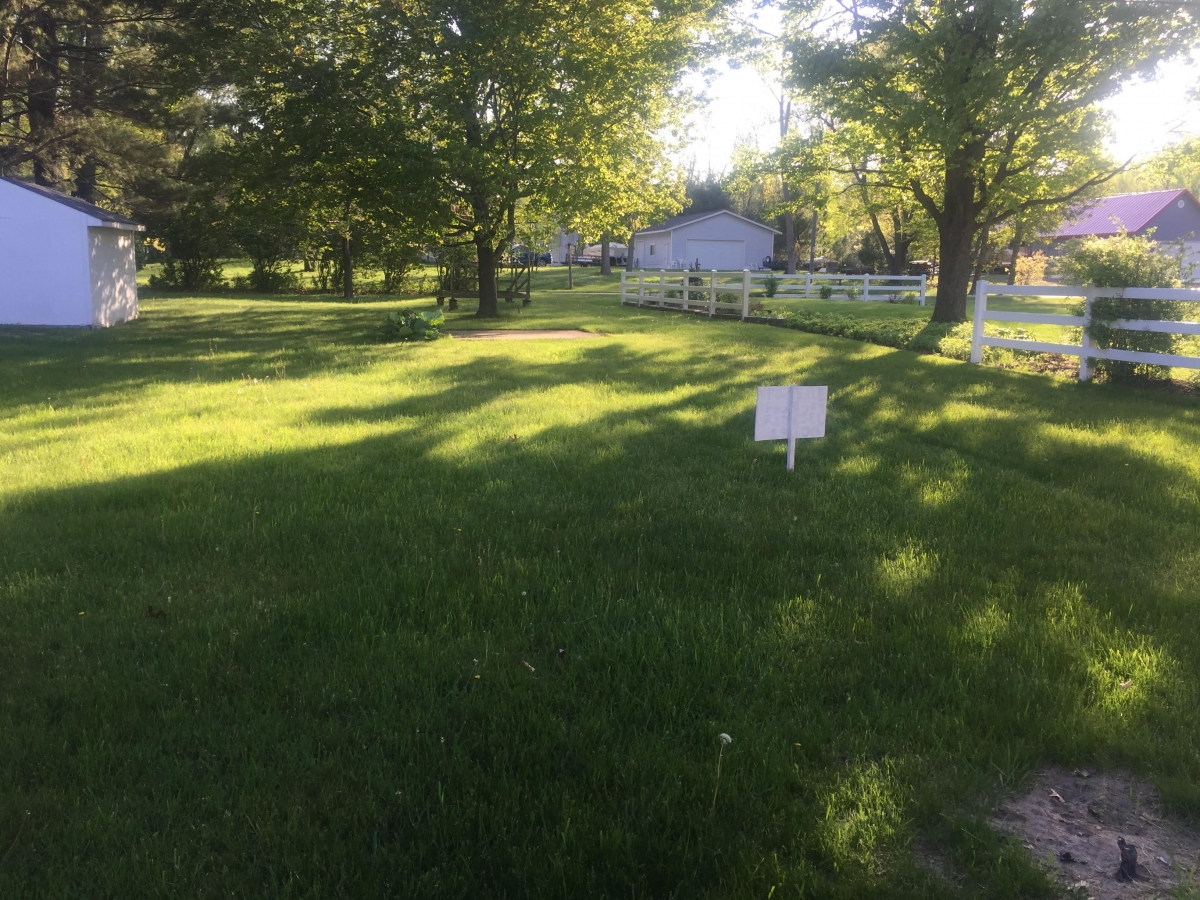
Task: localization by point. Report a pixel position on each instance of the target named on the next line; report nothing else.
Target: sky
(1145, 115)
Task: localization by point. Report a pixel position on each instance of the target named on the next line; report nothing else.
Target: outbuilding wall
(113, 271)
(44, 277)
(724, 242)
(1177, 221)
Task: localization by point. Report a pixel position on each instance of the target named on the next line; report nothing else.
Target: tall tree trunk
(629, 252)
(981, 254)
(605, 262)
(1016, 249)
(85, 180)
(957, 226)
(42, 103)
(956, 241)
(789, 233)
(789, 217)
(899, 259)
(489, 306)
(347, 269)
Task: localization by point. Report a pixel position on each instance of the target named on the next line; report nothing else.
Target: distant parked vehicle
(922, 267)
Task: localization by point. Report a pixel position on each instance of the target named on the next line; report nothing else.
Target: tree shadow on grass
(393, 668)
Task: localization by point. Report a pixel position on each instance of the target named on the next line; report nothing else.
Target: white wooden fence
(672, 288)
(1085, 350)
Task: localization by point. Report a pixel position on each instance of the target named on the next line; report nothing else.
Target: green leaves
(405, 325)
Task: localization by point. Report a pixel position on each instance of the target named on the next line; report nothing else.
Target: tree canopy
(982, 110)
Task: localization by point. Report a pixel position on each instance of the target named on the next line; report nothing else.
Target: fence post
(622, 287)
(866, 285)
(745, 294)
(923, 290)
(641, 287)
(1085, 341)
(712, 293)
(977, 331)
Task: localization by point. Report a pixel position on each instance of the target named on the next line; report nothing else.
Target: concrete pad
(564, 334)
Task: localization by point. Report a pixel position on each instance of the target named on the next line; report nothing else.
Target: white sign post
(787, 413)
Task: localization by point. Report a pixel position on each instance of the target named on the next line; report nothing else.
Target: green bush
(269, 281)
(825, 292)
(413, 326)
(1126, 261)
(771, 285)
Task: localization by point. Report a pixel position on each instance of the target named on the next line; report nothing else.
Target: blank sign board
(787, 413)
(790, 412)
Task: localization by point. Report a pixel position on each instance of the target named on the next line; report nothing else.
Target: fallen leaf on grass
(528, 666)
(1126, 684)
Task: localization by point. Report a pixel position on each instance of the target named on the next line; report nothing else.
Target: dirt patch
(514, 335)
(1073, 820)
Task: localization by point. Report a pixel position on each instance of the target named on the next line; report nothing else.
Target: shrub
(1032, 269)
(413, 326)
(826, 292)
(268, 281)
(194, 243)
(919, 335)
(771, 285)
(1126, 261)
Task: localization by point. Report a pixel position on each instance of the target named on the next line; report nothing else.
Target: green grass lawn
(288, 612)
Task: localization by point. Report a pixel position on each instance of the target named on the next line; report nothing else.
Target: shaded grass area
(465, 619)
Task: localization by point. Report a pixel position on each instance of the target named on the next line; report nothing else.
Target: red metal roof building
(1172, 215)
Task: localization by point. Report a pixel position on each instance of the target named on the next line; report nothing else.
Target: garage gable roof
(1131, 213)
(672, 224)
(81, 206)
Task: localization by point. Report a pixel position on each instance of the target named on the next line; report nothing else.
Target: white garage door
(717, 254)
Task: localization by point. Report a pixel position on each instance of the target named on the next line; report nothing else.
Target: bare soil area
(515, 335)
(1073, 821)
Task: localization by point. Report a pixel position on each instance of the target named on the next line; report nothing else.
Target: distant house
(1172, 215)
(718, 239)
(63, 261)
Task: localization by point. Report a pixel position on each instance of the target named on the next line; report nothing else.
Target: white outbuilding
(718, 239)
(63, 261)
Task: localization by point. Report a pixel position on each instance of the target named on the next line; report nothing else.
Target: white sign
(787, 413)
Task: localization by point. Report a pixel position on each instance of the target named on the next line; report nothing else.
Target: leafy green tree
(527, 101)
(982, 110)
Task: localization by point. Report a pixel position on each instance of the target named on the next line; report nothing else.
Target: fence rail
(1085, 350)
(673, 288)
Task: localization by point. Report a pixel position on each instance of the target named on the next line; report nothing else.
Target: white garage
(63, 261)
(718, 239)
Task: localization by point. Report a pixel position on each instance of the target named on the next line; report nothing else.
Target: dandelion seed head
(724, 738)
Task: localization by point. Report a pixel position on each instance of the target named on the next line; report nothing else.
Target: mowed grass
(287, 612)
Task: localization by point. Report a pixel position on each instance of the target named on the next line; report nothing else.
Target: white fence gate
(672, 288)
(1085, 350)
